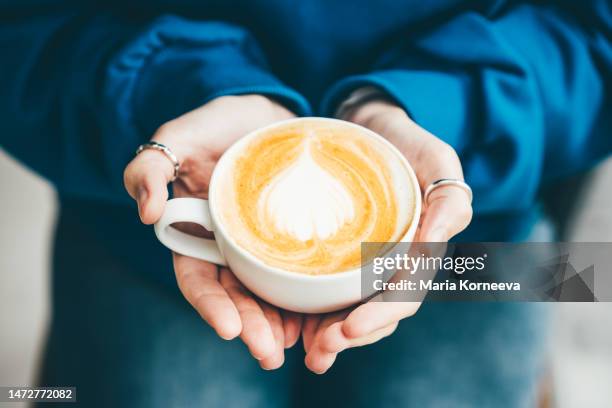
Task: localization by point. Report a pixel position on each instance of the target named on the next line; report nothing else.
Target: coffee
(303, 195)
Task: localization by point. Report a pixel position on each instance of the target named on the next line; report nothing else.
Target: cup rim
(226, 157)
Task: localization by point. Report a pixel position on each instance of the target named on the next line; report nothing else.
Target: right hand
(448, 212)
(198, 139)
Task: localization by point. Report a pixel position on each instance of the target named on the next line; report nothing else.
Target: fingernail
(321, 371)
(437, 235)
(140, 199)
(142, 194)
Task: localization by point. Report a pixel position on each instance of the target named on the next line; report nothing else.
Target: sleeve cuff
(357, 98)
(179, 65)
(437, 104)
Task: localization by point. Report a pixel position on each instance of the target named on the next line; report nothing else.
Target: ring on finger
(447, 182)
(166, 151)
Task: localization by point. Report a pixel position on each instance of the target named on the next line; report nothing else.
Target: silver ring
(166, 151)
(447, 182)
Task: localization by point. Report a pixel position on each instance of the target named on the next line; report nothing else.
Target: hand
(447, 213)
(198, 139)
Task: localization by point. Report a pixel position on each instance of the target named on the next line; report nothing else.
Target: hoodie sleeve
(81, 91)
(523, 95)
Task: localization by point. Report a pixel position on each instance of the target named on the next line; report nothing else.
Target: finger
(448, 210)
(292, 324)
(146, 179)
(198, 282)
(309, 330)
(448, 213)
(277, 359)
(256, 331)
(373, 316)
(317, 360)
(334, 340)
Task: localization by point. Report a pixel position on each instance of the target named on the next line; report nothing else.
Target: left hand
(447, 213)
(199, 138)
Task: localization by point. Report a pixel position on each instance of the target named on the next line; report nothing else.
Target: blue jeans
(126, 341)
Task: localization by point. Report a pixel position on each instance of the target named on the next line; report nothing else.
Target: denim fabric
(128, 341)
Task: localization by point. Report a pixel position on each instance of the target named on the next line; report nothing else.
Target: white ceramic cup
(289, 290)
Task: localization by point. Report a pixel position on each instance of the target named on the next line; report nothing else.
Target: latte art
(305, 201)
(303, 196)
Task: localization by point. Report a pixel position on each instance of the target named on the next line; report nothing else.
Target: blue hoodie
(520, 89)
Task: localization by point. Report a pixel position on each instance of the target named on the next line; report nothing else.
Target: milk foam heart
(305, 201)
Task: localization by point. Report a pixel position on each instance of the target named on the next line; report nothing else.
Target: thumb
(146, 179)
(448, 212)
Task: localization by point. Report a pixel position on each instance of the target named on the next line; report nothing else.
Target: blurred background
(581, 343)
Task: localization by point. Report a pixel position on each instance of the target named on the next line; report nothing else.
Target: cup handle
(193, 210)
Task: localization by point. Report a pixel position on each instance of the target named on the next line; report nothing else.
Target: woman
(513, 89)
